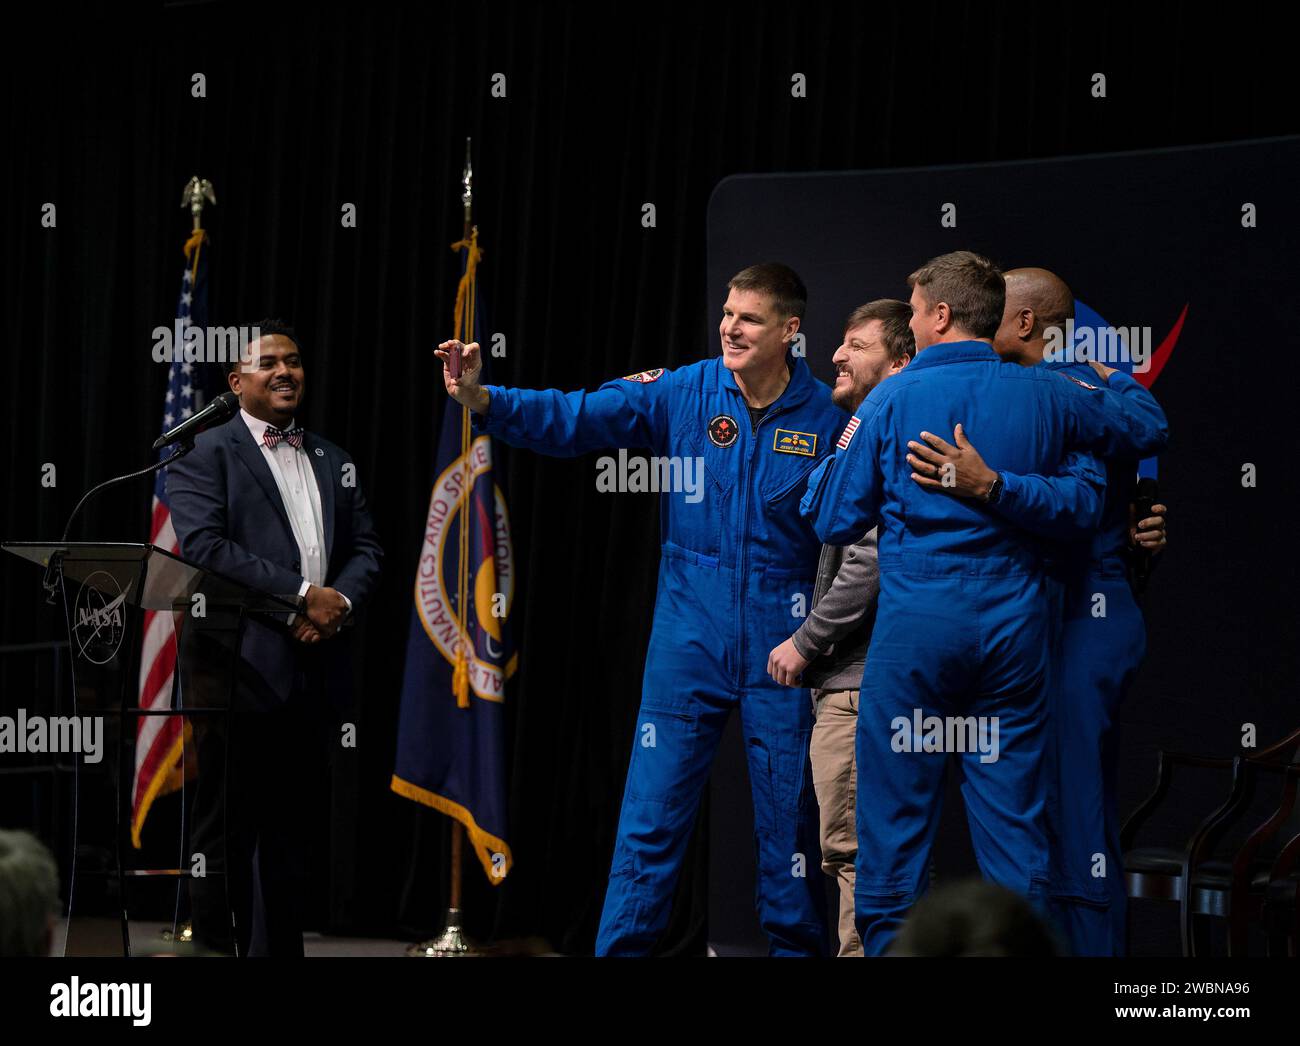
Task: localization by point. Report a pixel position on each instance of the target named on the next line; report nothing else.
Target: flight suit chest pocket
(695, 515)
(789, 538)
(786, 478)
(722, 464)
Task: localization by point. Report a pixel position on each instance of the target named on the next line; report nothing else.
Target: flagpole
(458, 829)
(452, 942)
(198, 192)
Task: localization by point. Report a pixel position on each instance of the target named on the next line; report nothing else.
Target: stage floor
(103, 937)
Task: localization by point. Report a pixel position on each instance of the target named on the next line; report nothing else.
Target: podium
(109, 591)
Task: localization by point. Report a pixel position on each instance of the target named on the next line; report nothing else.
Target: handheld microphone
(220, 410)
(1148, 490)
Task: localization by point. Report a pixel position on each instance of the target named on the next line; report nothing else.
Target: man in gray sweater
(829, 650)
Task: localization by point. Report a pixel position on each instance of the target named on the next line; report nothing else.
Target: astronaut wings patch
(645, 377)
(1079, 381)
(847, 435)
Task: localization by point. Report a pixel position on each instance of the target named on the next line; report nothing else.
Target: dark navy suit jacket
(229, 516)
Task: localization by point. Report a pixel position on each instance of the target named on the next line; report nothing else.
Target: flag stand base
(450, 944)
(184, 936)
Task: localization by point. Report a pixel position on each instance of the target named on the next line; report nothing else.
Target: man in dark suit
(279, 509)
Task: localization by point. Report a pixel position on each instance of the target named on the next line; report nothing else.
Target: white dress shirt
(296, 480)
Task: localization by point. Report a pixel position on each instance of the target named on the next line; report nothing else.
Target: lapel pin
(319, 452)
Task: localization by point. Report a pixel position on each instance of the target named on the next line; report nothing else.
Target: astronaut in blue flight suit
(736, 566)
(964, 621)
(1102, 636)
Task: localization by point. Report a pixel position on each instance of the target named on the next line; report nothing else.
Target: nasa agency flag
(451, 732)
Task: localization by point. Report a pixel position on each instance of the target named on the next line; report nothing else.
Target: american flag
(159, 741)
(847, 435)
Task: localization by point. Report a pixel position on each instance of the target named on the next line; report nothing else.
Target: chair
(1157, 872)
(1250, 881)
(1282, 905)
(1234, 885)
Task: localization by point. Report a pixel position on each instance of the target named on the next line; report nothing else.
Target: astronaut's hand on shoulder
(950, 468)
(1102, 370)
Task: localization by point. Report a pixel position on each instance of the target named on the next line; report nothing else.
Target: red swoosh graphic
(1163, 351)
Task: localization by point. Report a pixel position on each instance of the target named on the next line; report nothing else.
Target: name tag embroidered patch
(847, 434)
(787, 441)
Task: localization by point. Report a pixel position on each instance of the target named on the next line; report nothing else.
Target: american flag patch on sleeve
(847, 434)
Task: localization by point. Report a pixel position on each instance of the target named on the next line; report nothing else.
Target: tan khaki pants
(835, 777)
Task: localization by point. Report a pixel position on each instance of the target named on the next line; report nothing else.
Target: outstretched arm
(626, 412)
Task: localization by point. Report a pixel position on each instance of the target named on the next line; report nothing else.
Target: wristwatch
(994, 492)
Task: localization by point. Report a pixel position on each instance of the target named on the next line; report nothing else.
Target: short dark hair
(265, 328)
(779, 282)
(970, 285)
(895, 331)
(974, 918)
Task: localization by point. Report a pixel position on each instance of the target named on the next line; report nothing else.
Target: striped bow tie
(272, 436)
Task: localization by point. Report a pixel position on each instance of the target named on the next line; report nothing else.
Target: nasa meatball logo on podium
(99, 618)
(487, 592)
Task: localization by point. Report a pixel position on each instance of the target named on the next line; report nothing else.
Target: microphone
(1147, 492)
(220, 410)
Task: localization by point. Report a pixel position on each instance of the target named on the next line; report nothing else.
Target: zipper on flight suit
(742, 573)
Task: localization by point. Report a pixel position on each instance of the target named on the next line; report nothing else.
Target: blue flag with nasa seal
(451, 730)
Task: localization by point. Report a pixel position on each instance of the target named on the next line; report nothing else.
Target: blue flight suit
(736, 566)
(964, 623)
(1102, 644)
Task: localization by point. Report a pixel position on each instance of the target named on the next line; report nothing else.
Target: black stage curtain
(607, 108)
